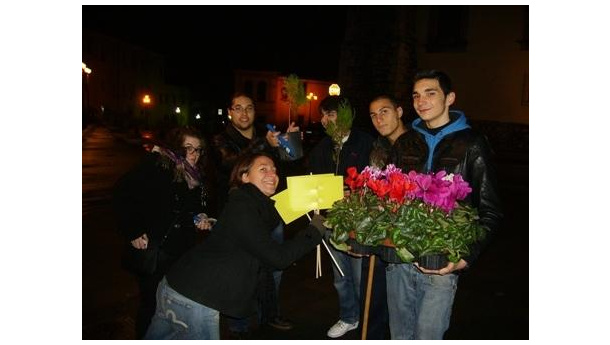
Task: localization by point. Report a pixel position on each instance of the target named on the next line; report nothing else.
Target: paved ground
(492, 301)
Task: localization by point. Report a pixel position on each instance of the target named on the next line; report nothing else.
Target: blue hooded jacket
(433, 139)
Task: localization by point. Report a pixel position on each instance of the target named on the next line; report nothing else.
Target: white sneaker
(340, 328)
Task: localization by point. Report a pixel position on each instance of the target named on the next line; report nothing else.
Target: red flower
(352, 172)
(379, 187)
(352, 179)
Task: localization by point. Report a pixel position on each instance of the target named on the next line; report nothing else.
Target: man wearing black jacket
(333, 157)
(420, 300)
(239, 137)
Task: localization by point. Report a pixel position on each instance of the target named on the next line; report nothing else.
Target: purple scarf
(191, 173)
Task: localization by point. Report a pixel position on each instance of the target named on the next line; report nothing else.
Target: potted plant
(339, 130)
(405, 217)
(295, 91)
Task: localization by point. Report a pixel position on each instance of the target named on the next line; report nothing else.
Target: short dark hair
(236, 95)
(243, 165)
(389, 97)
(443, 79)
(331, 103)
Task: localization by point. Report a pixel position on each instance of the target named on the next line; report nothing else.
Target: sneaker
(281, 324)
(340, 328)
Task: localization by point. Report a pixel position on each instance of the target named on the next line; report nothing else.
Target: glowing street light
(311, 97)
(145, 105)
(334, 90)
(177, 110)
(87, 71)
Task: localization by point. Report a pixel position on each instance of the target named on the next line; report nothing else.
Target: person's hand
(318, 222)
(292, 128)
(206, 223)
(451, 267)
(140, 242)
(272, 138)
(358, 255)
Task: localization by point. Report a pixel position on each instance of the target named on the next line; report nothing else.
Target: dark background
(204, 44)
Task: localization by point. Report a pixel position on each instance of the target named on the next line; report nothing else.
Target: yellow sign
(311, 192)
(307, 193)
(282, 204)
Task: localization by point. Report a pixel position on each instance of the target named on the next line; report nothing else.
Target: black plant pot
(433, 261)
(388, 254)
(358, 248)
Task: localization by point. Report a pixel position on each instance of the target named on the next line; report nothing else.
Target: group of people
(236, 269)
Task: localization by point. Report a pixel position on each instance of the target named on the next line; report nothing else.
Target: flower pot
(388, 254)
(433, 261)
(388, 243)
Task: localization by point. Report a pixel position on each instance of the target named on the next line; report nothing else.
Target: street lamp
(87, 71)
(334, 90)
(145, 104)
(311, 97)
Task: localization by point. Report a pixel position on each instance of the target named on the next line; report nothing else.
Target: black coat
(222, 272)
(463, 152)
(355, 152)
(227, 147)
(149, 199)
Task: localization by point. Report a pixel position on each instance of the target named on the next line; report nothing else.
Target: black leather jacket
(463, 152)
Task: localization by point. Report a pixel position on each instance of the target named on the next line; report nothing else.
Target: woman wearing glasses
(156, 203)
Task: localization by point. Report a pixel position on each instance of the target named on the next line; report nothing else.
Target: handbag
(145, 261)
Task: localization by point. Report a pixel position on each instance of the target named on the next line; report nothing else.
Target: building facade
(272, 105)
(122, 76)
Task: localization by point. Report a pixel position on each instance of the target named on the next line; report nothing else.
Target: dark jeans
(378, 320)
(147, 285)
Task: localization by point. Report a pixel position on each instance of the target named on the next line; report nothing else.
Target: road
(492, 301)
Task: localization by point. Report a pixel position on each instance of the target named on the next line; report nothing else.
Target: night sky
(203, 44)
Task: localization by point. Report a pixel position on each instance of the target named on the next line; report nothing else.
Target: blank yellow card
(310, 192)
(282, 205)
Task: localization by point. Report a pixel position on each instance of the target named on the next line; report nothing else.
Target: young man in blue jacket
(420, 300)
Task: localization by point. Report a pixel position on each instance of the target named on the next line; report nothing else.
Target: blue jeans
(178, 317)
(419, 305)
(348, 287)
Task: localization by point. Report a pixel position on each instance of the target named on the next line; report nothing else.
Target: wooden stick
(367, 301)
(328, 250)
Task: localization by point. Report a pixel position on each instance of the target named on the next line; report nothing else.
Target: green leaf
(342, 246)
(404, 254)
